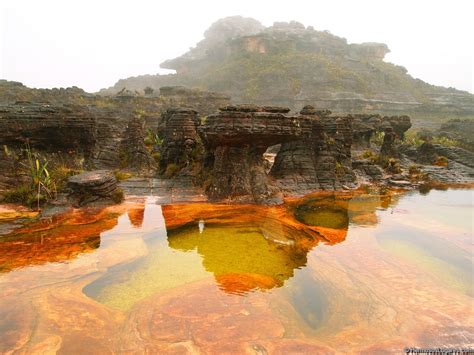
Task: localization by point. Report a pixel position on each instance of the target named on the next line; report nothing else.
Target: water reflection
(354, 272)
(245, 247)
(58, 239)
(338, 210)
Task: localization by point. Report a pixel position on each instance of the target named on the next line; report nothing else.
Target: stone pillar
(178, 130)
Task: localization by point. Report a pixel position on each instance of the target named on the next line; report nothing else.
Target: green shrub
(445, 141)
(414, 169)
(118, 195)
(21, 194)
(370, 155)
(60, 174)
(122, 175)
(412, 138)
(441, 161)
(377, 138)
(152, 138)
(171, 170)
(41, 181)
(156, 156)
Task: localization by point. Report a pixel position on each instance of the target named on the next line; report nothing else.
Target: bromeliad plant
(40, 177)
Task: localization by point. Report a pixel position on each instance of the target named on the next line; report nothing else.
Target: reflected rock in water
(246, 247)
(62, 237)
(337, 211)
(136, 216)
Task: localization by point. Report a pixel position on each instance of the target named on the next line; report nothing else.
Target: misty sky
(92, 44)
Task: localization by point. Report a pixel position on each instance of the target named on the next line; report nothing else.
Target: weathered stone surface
(101, 137)
(236, 139)
(135, 154)
(205, 102)
(92, 186)
(365, 125)
(368, 168)
(48, 127)
(388, 145)
(180, 137)
(235, 126)
(426, 153)
(460, 130)
(400, 124)
(321, 161)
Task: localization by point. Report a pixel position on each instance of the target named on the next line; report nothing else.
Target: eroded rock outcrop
(101, 136)
(135, 155)
(319, 161)
(366, 125)
(459, 130)
(236, 138)
(178, 130)
(48, 127)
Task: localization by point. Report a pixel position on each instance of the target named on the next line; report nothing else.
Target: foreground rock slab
(92, 186)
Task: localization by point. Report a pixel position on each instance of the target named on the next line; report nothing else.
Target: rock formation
(388, 145)
(236, 138)
(178, 130)
(92, 186)
(293, 65)
(135, 155)
(365, 125)
(400, 124)
(459, 130)
(95, 133)
(48, 127)
(320, 161)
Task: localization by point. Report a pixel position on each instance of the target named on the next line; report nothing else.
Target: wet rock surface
(443, 164)
(368, 168)
(176, 190)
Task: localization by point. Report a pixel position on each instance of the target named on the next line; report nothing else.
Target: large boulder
(94, 185)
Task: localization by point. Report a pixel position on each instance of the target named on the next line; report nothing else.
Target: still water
(358, 272)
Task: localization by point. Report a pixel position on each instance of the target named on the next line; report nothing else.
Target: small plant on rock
(441, 161)
(171, 170)
(118, 195)
(40, 177)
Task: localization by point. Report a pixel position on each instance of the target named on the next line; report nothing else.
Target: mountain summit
(293, 65)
